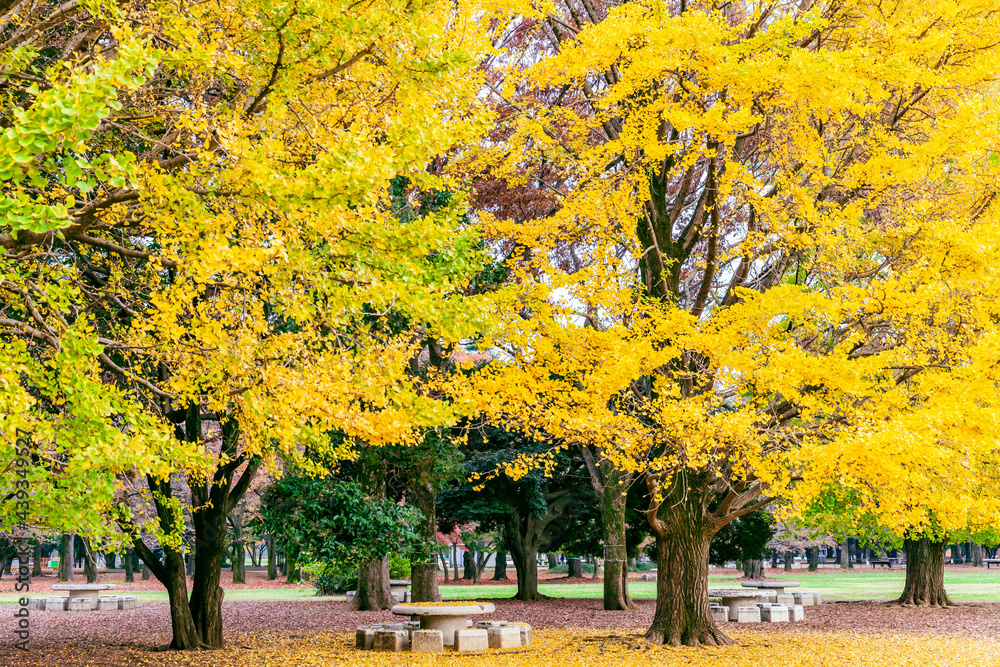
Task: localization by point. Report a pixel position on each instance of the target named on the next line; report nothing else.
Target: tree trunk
(238, 548)
(500, 566)
(552, 560)
(36, 566)
(423, 570)
(89, 562)
(616, 596)
(291, 565)
(444, 564)
(272, 559)
(574, 567)
(66, 557)
(788, 561)
(206, 584)
(373, 587)
(924, 574)
(977, 555)
(753, 569)
(525, 562)
(468, 567)
(683, 535)
(110, 561)
(129, 563)
(146, 573)
(845, 555)
(813, 554)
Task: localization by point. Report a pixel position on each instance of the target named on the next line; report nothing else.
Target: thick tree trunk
(291, 565)
(206, 588)
(574, 567)
(500, 566)
(36, 566)
(89, 562)
(788, 561)
(129, 562)
(551, 560)
(272, 559)
(525, 562)
(423, 570)
(238, 549)
(468, 566)
(616, 596)
(753, 569)
(373, 587)
(110, 561)
(977, 555)
(66, 557)
(924, 574)
(813, 554)
(682, 615)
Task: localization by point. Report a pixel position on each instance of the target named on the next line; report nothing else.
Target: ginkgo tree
(200, 253)
(743, 242)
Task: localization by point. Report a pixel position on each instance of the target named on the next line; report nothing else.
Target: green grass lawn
(964, 585)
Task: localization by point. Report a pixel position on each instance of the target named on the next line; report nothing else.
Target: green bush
(333, 577)
(643, 567)
(336, 577)
(399, 567)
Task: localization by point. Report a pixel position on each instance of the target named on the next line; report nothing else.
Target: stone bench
(89, 592)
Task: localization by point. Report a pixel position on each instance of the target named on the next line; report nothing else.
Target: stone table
(89, 591)
(735, 598)
(446, 618)
(776, 586)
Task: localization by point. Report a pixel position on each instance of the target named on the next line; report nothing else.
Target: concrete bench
(991, 561)
(90, 592)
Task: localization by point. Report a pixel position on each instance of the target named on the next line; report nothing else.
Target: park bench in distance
(991, 561)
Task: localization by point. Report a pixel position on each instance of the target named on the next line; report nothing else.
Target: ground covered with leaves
(566, 632)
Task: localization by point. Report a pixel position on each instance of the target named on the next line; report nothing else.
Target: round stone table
(776, 586)
(734, 598)
(446, 618)
(89, 591)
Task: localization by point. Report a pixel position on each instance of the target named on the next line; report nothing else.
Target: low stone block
(772, 597)
(36, 604)
(785, 598)
(504, 637)
(720, 614)
(364, 639)
(804, 599)
(56, 603)
(472, 639)
(817, 599)
(426, 641)
(795, 612)
(525, 631)
(81, 604)
(107, 604)
(390, 640)
(127, 602)
(748, 614)
(774, 614)
(350, 595)
(490, 624)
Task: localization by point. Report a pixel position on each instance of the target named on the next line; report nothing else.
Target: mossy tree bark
(924, 574)
(423, 571)
(373, 592)
(611, 486)
(685, 511)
